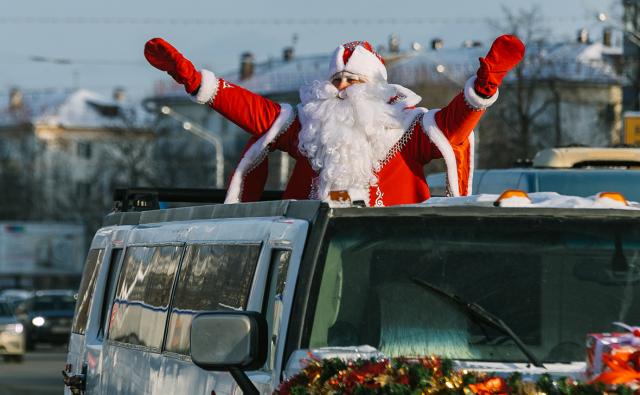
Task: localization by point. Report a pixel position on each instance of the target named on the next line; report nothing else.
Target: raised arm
(253, 113)
(450, 129)
(462, 114)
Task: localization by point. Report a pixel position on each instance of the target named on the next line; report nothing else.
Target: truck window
(85, 293)
(552, 281)
(109, 290)
(274, 299)
(212, 277)
(139, 311)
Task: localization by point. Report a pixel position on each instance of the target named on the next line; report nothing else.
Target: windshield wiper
(480, 313)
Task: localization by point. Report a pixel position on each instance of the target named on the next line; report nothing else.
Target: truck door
(241, 264)
(85, 344)
(286, 245)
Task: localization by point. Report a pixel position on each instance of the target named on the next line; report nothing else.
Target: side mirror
(230, 341)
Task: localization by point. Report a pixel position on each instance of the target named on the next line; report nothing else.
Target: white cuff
(474, 100)
(208, 88)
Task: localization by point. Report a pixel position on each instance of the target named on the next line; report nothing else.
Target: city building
(63, 152)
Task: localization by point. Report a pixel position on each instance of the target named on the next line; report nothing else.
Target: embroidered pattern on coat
(400, 144)
(379, 197)
(313, 191)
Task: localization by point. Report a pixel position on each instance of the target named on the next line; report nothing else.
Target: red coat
(446, 133)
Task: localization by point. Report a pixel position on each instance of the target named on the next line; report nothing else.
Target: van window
(213, 277)
(109, 290)
(85, 293)
(274, 300)
(139, 311)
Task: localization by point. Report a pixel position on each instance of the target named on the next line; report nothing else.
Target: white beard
(346, 139)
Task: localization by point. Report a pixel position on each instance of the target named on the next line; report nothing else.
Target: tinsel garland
(429, 375)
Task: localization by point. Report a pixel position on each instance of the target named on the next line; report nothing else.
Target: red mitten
(165, 57)
(505, 53)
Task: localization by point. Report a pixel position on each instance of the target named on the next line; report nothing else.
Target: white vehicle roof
(536, 200)
(586, 156)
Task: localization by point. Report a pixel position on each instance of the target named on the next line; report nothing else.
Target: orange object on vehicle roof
(617, 196)
(510, 193)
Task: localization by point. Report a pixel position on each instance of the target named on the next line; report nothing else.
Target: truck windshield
(552, 280)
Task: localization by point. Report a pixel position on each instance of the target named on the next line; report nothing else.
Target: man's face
(343, 80)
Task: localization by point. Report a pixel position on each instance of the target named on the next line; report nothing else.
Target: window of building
(139, 311)
(85, 294)
(213, 277)
(84, 149)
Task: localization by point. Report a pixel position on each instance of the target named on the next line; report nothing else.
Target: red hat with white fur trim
(358, 58)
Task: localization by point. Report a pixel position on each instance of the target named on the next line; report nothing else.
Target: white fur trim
(337, 63)
(440, 140)
(365, 63)
(410, 97)
(474, 100)
(208, 88)
(257, 152)
(362, 62)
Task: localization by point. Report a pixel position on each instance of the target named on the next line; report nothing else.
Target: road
(38, 374)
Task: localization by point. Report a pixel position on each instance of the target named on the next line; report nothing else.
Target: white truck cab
(228, 299)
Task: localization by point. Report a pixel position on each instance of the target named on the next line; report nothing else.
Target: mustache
(325, 90)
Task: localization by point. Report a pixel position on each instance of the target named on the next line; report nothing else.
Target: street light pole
(630, 29)
(196, 129)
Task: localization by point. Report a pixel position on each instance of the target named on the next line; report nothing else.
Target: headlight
(38, 321)
(17, 328)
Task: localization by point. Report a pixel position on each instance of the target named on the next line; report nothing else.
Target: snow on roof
(537, 200)
(580, 62)
(272, 76)
(448, 64)
(78, 108)
(567, 61)
(284, 76)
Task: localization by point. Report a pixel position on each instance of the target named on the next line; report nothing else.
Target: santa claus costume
(368, 142)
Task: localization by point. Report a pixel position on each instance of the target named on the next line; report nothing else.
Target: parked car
(15, 296)
(568, 171)
(210, 298)
(12, 340)
(47, 317)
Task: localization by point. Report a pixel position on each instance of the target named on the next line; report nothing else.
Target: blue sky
(99, 54)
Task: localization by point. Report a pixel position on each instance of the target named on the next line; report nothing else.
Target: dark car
(47, 317)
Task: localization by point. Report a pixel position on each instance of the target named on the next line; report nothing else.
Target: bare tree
(20, 190)
(182, 159)
(529, 92)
